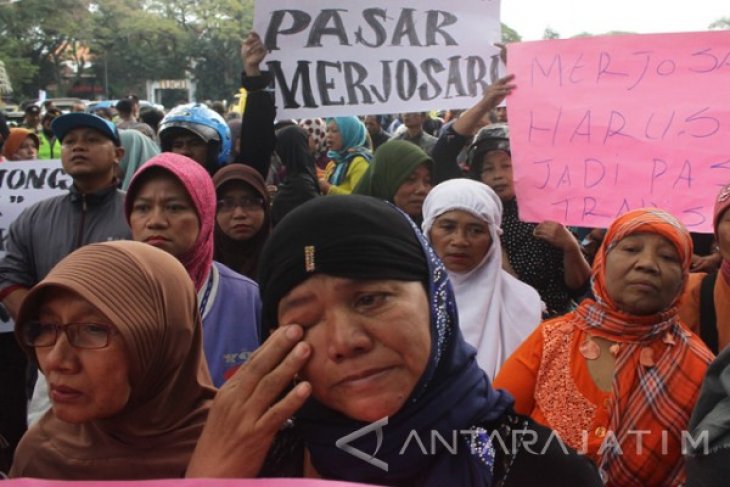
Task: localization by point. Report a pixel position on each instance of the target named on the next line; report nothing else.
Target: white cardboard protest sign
(23, 183)
(348, 57)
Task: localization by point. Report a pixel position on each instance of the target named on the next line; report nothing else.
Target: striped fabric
(656, 393)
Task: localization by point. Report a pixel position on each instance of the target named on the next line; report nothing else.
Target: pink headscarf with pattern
(199, 186)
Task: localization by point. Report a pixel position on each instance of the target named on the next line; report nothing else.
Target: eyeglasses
(249, 204)
(80, 335)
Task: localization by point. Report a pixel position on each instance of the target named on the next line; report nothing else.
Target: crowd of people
(228, 299)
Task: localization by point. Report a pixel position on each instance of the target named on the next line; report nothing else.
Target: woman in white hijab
(497, 312)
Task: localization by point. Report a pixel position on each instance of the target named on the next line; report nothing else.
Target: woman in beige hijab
(115, 329)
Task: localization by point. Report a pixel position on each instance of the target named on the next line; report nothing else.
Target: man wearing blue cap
(92, 210)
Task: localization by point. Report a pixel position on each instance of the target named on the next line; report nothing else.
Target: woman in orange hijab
(21, 145)
(618, 377)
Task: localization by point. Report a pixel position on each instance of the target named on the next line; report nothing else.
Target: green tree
(132, 45)
(550, 34)
(723, 23)
(37, 37)
(509, 34)
(222, 26)
(52, 45)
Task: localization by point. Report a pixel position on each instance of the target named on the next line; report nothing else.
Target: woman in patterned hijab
(619, 376)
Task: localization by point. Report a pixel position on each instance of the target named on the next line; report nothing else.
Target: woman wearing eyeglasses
(171, 204)
(121, 351)
(242, 218)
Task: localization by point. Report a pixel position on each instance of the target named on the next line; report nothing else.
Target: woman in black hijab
(300, 184)
(362, 315)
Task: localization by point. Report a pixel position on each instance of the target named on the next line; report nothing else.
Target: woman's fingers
(280, 412)
(505, 84)
(498, 90)
(270, 387)
(257, 385)
(252, 38)
(276, 347)
(226, 441)
(267, 357)
(253, 52)
(505, 79)
(249, 409)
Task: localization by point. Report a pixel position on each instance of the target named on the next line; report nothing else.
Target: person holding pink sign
(546, 255)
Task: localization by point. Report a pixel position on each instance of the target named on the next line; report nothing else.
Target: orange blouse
(550, 381)
(540, 391)
(689, 309)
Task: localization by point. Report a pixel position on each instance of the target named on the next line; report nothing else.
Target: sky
(570, 17)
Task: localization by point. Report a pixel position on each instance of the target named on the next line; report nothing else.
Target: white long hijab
(496, 311)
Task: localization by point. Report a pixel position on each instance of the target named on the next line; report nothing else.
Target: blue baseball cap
(65, 123)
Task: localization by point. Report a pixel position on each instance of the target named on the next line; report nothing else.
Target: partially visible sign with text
(349, 57)
(603, 125)
(23, 183)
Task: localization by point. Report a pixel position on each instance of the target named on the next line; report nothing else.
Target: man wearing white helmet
(196, 131)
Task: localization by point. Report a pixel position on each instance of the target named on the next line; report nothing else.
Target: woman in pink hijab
(171, 204)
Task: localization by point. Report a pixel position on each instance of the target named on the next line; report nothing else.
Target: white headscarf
(496, 311)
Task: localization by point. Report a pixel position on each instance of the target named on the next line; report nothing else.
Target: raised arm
(257, 128)
(456, 135)
(470, 121)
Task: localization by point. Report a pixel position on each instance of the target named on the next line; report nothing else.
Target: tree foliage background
(124, 43)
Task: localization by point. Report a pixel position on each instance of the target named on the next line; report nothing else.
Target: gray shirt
(424, 141)
(48, 231)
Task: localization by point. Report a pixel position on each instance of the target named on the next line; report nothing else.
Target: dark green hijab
(393, 162)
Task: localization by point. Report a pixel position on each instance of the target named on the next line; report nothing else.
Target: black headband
(355, 237)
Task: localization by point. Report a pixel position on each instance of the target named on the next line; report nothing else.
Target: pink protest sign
(603, 125)
(184, 483)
